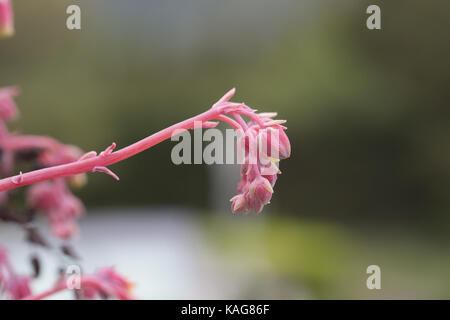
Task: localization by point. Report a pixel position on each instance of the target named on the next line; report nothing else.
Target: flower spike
(259, 170)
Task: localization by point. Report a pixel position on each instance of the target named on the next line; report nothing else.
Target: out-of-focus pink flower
(18, 287)
(262, 143)
(60, 154)
(106, 283)
(15, 286)
(6, 18)
(8, 108)
(60, 206)
(3, 256)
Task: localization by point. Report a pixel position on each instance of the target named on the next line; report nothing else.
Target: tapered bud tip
(267, 186)
(259, 192)
(268, 114)
(238, 203)
(227, 96)
(285, 145)
(275, 122)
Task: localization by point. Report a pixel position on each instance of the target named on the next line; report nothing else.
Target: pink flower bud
(261, 190)
(6, 19)
(238, 203)
(285, 145)
(64, 229)
(106, 283)
(18, 287)
(274, 143)
(42, 196)
(60, 206)
(272, 179)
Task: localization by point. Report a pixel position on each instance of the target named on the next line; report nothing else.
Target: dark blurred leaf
(69, 251)
(34, 236)
(36, 264)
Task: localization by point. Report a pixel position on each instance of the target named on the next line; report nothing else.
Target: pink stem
(46, 293)
(231, 122)
(86, 281)
(105, 159)
(240, 120)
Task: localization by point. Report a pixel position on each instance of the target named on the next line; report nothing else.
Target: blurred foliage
(324, 260)
(304, 254)
(367, 110)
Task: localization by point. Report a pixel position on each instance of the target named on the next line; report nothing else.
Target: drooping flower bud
(238, 203)
(261, 143)
(274, 143)
(261, 189)
(6, 19)
(285, 145)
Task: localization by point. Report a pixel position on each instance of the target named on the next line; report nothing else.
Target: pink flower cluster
(60, 206)
(105, 283)
(53, 198)
(261, 144)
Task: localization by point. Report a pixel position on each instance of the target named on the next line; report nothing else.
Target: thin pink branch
(92, 162)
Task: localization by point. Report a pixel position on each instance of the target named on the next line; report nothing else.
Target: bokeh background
(368, 117)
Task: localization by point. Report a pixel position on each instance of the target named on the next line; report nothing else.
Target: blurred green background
(368, 118)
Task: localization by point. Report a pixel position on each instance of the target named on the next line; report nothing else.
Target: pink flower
(60, 206)
(15, 286)
(6, 19)
(106, 283)
(262, 142)
(60, 154)
(8, 108)
(18, 287)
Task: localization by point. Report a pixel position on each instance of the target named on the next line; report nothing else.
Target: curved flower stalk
(6, 19)
(262, 142)
(106, 283)
(252, 195)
